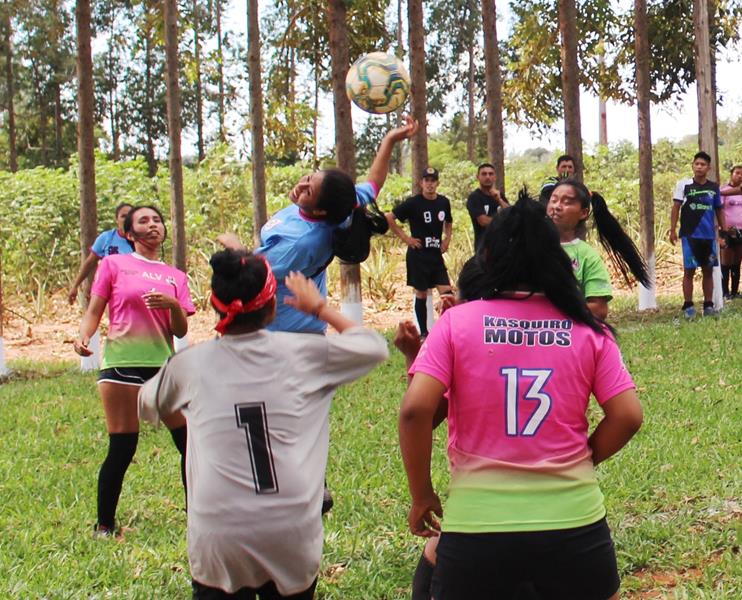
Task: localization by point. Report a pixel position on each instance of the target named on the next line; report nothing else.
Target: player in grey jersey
(257, 405)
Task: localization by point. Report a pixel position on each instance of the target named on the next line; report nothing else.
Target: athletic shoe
(710, 311)
(101, 532)
(327, 501)
(729, 296)
(689, 312)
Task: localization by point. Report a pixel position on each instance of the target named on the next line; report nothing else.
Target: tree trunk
(338, 33)
(199, 87)
(571, 82)
(647, 296)
(707, 131)
(220, 71)
(9, 99)
(416, 35)
(602, 122)
(470, 141)
(85, 134)
(260, 212)
(58, 123)
(495, 132)
(39, 93)
(351, 301)
(170, 9)
(149, 104)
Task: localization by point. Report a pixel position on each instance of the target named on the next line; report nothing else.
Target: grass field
(674, 495)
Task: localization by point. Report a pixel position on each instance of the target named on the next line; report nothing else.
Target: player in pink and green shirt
(519, 367)
(148, 302)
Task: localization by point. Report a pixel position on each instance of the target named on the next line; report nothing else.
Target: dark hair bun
(227, 263)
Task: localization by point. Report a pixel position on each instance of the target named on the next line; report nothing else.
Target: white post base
(648, 296)
(4, 370)
(353, 310)
(718, 297)
(92, 362)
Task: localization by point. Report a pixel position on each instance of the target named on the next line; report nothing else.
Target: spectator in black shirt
(484, 202)
(565, 170)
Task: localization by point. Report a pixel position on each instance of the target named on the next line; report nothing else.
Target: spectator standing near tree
(565, 168)
(695, 202)
(731, 249)
(484, 202)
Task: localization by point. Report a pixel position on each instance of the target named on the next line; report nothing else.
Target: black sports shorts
(426, 269)
(578, 564)
(127, 375)
(264, 592)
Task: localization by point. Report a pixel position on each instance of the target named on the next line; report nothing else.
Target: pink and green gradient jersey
(519, 375)
(137, 335)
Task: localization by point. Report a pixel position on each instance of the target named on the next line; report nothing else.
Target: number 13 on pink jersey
(514, 377)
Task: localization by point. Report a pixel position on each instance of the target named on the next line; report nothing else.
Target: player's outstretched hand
(407, 340)
(306, 296)
(230, 241)
(81, 346)
(422, 517)
(404, 131)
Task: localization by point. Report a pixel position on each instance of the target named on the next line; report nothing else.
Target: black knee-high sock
(725, 279)
(421, 312)
(734, 289)
(422, 579)
(121, 449)
(180, 435)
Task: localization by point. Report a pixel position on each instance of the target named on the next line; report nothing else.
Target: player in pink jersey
(731, 238)
(519, 366)
(148, 302)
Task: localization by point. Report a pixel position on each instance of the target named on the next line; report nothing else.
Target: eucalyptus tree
(495, 133)
(177, 212)
(416, 35)
(257, 160)
(454, 60)
(8, 12)
(86, 134)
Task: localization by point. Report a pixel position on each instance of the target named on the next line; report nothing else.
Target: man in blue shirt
(695, 202)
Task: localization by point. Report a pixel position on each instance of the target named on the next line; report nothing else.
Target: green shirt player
(569, 207)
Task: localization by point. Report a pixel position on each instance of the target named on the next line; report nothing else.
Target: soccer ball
(378, 83)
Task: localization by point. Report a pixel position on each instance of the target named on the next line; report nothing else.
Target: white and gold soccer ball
(378, 83)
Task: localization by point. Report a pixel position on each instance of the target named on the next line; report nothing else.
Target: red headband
(237, 307)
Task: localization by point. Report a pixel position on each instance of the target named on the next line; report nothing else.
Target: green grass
(674, 495)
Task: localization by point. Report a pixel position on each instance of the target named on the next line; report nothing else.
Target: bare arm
(674, 214)
(86, 268)
(416, 441)
(178, 316)
(484, 220)
(380, 167)
(400, 233)
(731, 191)
(88, 325)
(720, 218)
(623, 417)
(446, 241)
(598, 305)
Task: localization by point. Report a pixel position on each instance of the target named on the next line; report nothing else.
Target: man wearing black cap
(431, 223)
